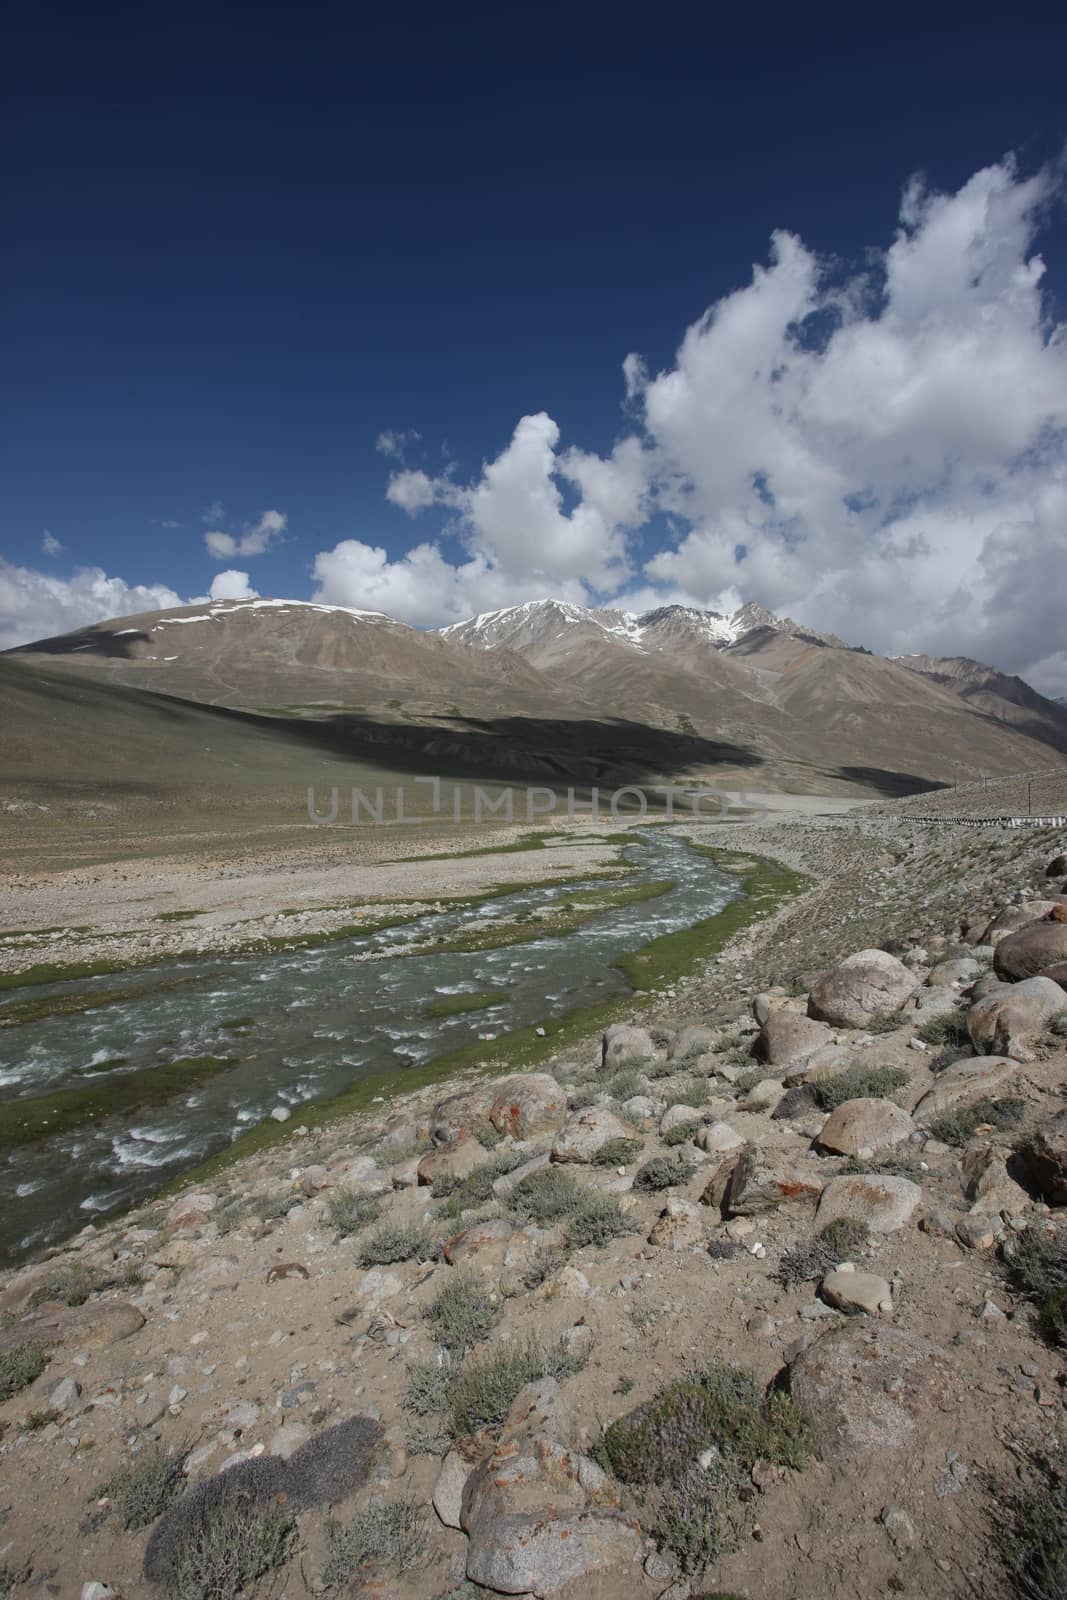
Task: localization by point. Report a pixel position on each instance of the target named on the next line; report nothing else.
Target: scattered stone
(883, 1203)
(65, 1395)
(453, 1160)
(675, 1116)
(865, 1127)
(978, 1231)
(788, 1037)
(718, 1138)
(759, 1183)
(583, 1134)
(865, 985)
(281, 1114)
(528, 1105)
(680, 1226)
(448, 1490)
(1044, 1161)
(622, 1043)
(850, 1290)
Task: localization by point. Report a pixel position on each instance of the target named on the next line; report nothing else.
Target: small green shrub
(579, 1099)
(663, 1171)
(477, 1187)
(624, 1085)
(71, 1283)
(214, 1542)
(597, 1220)
(545, 1197)
(748, 1081)
(145, 1485)
(19, 1367)
(463, 1312)
(682, 1132)
(426, 1439)
(695, 1520)
(485, 1390)
(894, 1164)
(274, 1205)
(859, 1083)
(544, 1262)
(846, 1236)
(806, 1262)
(396, 1241)
(944, 1028)
(1031, 1535)
(390, 1534)
(960, 1126)
(1058, 1026)
(349, 1211)
(617, 1152)
(429, 1384)
(1037, 1264)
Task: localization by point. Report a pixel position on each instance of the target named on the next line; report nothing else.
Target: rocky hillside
(760, 1293)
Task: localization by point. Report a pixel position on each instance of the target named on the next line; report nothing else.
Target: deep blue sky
(241, 241)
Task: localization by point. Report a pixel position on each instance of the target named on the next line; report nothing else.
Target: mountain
(566, 692)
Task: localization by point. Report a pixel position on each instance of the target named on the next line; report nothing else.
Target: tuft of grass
(894, 1164)
(463, 1313)
(1031, 1531)
(545, 1261)
(71, 1283)
(477, 1187)
(485, 1390)
(682, 1132)
(598, 1220)
(1037, 1265)
(349, 1211)
(944, 1028)
(859, 1083)
(748, 1081)
(390, 1534)
(144, 1486)
(426, 1439)
(960, 1126)
(663, 1171)
(846, 1235)
(617, 1152)
(19, 1367)
(623, 1085)
(807, 1262)
(545, 1197)
(429, 1384)
(396, 1241)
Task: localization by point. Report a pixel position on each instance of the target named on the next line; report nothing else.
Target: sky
(444, 313)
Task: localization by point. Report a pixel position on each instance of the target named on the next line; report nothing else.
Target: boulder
(1044, 1161)
(189, 1211)
(763, 1096)
(865, 985)
(680, 1225)
(640, 1106)
(91, 1326)
(461, 1116)
(583, 1134)
(1057, 867)
(869, 1387)
(622, 1042)
(676, 1116)
(453, 1161)
(448, 1490)
(1009, 1017)
(960, 970)
(1014, 918)
(825, 1062)
(977, 1078)
(363, 1173)
(759, 1182)
(692, 1041)
(529, 1104)
(788, 1037)
(863, 1127)
(542, 1519)
(883, 1203)
(1057, 973)
(987, 1183)
(718, 1138)
(1027, 953)
(850, 1290)
(485, 1242)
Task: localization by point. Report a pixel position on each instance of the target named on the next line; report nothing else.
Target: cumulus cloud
(254, 539)
(36, 605)
(50, 545)
(232, 585)
(881, 452)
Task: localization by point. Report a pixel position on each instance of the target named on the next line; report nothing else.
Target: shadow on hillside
(116, 645)
(894, 785)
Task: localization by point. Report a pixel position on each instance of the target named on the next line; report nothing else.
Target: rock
(583, 1134)
(679, 1226)
(849, 1290)
(788, 1037)
(883, 1203)
(92, 1326)
(405, 1175)
(507, 1181)
(1027, 953)
(867, 1387)
(826, 1062)
(462, 1116)
(769, 1001)
(220, 1270)
(1013, 919)
(20, 1289)
(568, 1283)
(1008, 1018)
(675, 1116)
(363, 1173)
(864, 1127)
(99, 1591)
(718, 1138)
(899, 1526)
(977, 1078)
(484, 1240)
(986, 1182)
(640, 1107)
(65, 1395)
(1057, 867)
(763, 1096)
(281, 1114)
(529, 1104)
(448, 1490)
(1044, 1161)
(622, 1042)
(377, 1286)
(979, 1231)
(453, 1160)
(1057, 973)
(313, 1180)
(691, 1041)
(540, 1518)
(189, 1211)
(759, 1183)
(865, 985)
(959, 970)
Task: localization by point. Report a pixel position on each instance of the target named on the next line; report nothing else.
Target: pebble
(281, 1113)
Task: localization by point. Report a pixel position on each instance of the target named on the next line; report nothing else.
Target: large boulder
(462, 1115)
(694, 1040)
(869, 1387)
(1013, 918)
(586, 1131)
(622, 1042)
(865, 985)
(760, 1182)
(527, 1105)
(1057, 867)
(960, 969)
(542, 1519)
(1044, 1161)
(1011, 1016)
(977, 1078)
(863, 1127)
(883, 1203)
(789, 1036)
(452, 1161)
(1030, 951)
(92, 1326)
(1057, 973)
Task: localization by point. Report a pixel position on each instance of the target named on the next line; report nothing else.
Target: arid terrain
(412, 1337)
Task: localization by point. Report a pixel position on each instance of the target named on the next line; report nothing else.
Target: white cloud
(232, 585)
(50, 545)
(37, 605)
(882, 453)
(214, 512)
(252, 541)
(394, 443)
